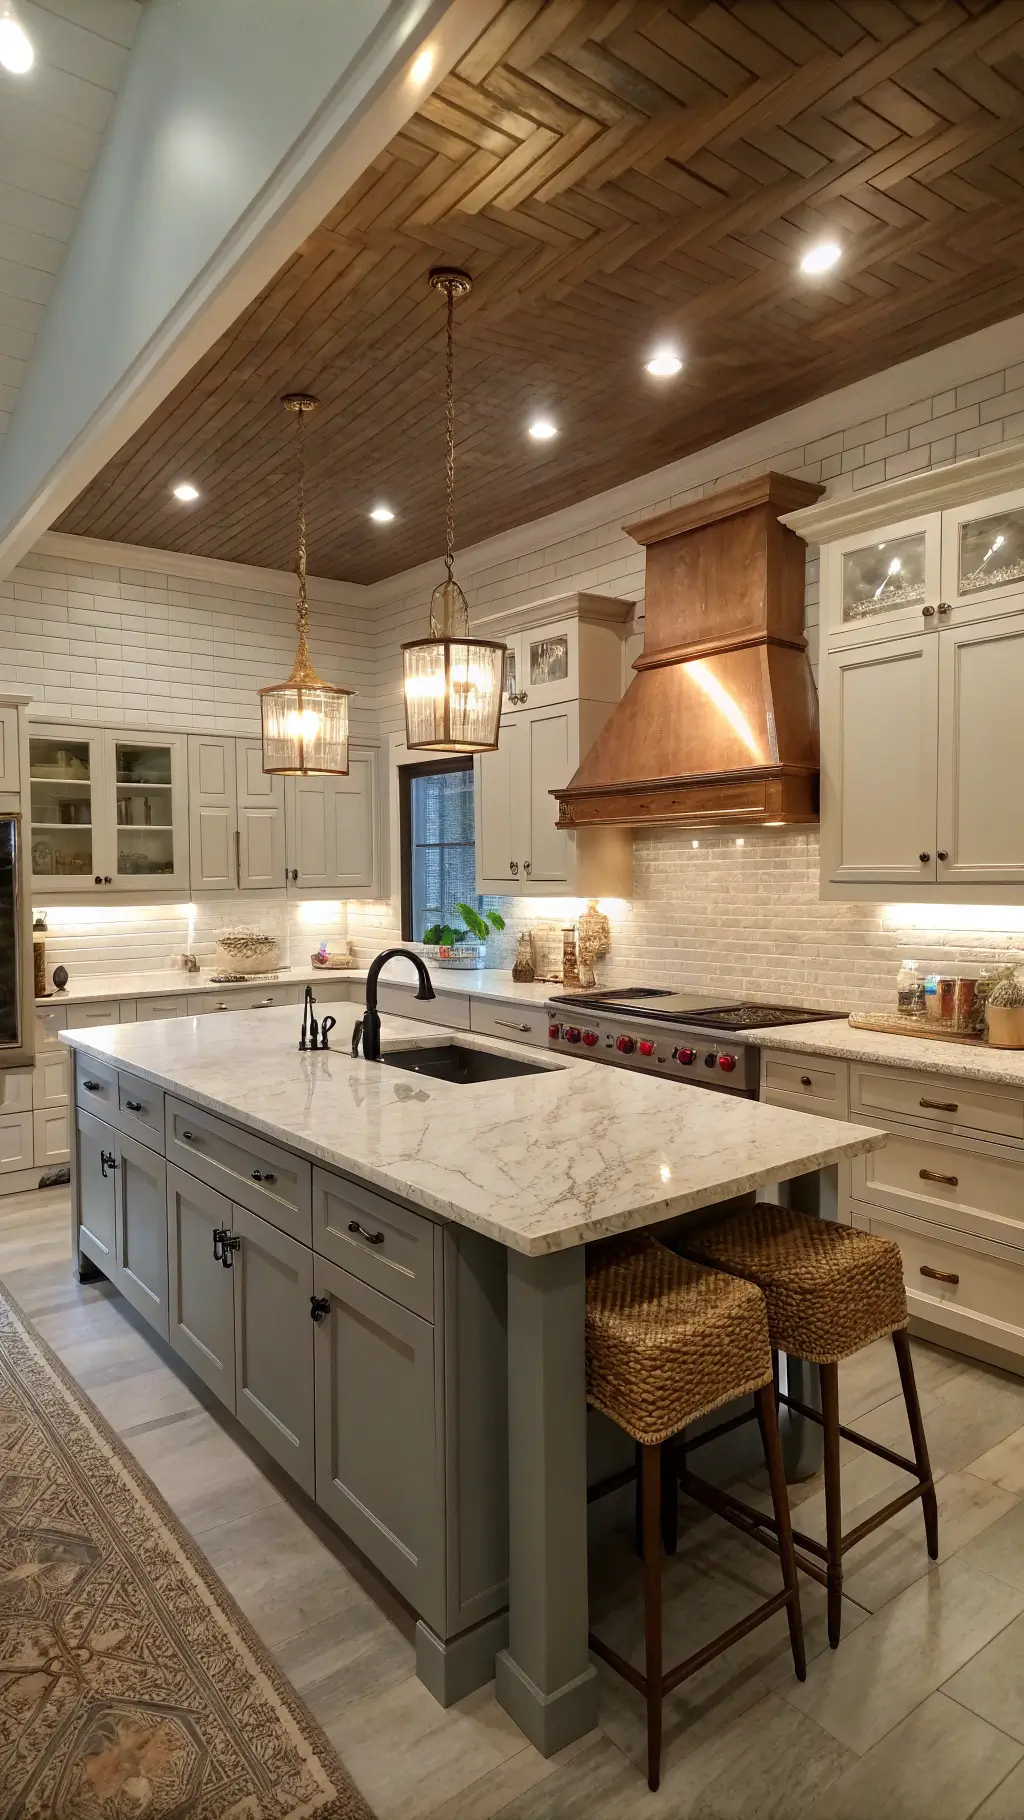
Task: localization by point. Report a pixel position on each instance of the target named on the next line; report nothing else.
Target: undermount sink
(453, 1062)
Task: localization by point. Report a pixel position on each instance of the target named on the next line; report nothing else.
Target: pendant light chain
(300, 403)
(449, 425)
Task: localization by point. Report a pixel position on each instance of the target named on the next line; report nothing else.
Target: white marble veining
(540, 1162)
(482, 982)
(969, 1062)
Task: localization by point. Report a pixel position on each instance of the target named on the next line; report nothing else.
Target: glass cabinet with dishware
(108, 812)
(883, 583)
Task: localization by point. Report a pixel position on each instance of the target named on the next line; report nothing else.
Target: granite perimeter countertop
(539, 1162)
(477, 982)
(968, 1061)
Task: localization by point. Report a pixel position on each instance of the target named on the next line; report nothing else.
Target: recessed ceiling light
(821, 258)
(186, 492)
(542, 429)
(665, 363)
(17, 52)
(382, 515)
(421, 67)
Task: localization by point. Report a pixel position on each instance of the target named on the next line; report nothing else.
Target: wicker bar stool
(667, 1342)
(830, 1290)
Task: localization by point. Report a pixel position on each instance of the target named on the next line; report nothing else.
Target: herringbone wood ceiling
(611, 172)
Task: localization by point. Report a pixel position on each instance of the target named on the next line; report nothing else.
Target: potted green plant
(451, 943)
(1005, 1012)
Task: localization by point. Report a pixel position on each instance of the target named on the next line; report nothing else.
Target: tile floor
(918, 1716)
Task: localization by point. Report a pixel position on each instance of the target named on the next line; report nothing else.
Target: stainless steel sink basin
(453, 1062)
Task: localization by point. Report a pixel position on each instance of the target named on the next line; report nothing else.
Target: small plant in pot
(454, 945)
(1006, 1014)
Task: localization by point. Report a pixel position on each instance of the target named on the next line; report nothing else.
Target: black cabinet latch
(319, 1305)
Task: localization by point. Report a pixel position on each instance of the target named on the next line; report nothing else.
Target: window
(438, 844)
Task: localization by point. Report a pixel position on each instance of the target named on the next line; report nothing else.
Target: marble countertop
(482, 982)
(999, 1067)
(540, 1162)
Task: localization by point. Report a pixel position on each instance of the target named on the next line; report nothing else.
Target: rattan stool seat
(667, 1341)
(830, 1289)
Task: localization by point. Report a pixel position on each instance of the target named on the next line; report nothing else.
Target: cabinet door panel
(877, 584)
(97, 1143)
(272, 1278)
(378, 1458)
(311, 851)
(261, 851)
(69, 844)
(981, 753)
(983, 557)
(142, 1230)
(551, 735)
(51, 1137)
(211, 812)
(879, 763)
(146, 810)
(355, 823)
(201, 1325)
(498, 843)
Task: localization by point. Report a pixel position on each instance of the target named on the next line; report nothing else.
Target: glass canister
(910, 990)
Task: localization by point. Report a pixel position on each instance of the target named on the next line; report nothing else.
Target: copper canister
(945, 990)
(965, 1007)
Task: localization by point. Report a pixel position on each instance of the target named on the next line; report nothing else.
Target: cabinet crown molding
(598, 609)
(977, 477)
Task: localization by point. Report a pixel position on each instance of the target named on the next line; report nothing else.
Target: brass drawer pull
(940, 1105)
(940, 1276)
(948, 1181)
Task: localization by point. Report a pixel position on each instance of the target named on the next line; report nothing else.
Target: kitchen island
(434, 1229)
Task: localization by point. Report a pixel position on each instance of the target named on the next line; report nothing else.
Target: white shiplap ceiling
(52, 122)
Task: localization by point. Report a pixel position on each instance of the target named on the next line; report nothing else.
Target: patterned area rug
(130, 1683)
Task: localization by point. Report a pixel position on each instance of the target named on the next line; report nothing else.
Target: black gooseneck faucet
(368, 1027)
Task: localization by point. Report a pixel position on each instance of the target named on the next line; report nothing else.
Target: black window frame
(435, 767)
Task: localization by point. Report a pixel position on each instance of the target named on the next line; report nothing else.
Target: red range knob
(646, 1048)
(573, 1034)
(590, 1038)
(625, 1044)
(686, 1056)
(554, 1030)
(727, 1063)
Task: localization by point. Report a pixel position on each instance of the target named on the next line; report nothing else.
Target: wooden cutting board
(894, 1025)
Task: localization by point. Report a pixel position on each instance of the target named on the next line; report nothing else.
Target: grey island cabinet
(380, 1273)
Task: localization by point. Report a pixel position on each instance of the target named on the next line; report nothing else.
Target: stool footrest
(851, 1434)
(751, 1522)
(701, 1657)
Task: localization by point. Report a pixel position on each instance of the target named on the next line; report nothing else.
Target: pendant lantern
(453, 682)
(305, 720)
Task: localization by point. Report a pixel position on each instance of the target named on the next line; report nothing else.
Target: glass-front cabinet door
(66, 846)
(983, 558)
(542, 666)
(148, 803)
(883, 583)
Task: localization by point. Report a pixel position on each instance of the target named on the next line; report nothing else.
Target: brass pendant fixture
(452, 681)
(305, 720)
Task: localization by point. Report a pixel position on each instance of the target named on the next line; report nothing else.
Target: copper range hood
(719, 726)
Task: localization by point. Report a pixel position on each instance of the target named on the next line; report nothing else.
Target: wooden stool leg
(929, 1502)
(670, 1497)
(651, 1501)
(768, 1422)
(829, 1375)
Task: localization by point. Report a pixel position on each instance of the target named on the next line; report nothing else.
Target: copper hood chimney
(720, 723)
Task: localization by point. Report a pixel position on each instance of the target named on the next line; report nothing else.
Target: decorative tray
(894, 1025)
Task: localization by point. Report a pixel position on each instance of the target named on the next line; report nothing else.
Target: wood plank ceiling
(612, 173)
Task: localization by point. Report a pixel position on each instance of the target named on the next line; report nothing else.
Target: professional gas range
(675, 1034)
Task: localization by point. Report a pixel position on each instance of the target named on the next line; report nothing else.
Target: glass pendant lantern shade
(452, 681)
(304, 720)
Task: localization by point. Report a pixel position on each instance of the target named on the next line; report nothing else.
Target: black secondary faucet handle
(328, 1024)
(357, 1036)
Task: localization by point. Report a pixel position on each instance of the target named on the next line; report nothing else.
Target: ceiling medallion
(305, 720)
(452, 682)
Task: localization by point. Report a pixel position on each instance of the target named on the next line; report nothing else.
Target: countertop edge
(842, 1042)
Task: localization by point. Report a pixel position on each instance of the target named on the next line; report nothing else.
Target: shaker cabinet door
(201, 1325)
(211, 812)
(142, 1230)
(97, 1179)
(354, 808)
(879, 763)
(498, 810)
(272, 1279)
(260, 799)
(378, 1456)
(551, 743)
(981, 753)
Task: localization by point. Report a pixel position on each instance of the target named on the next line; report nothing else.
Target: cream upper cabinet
(212, 813)
(980, 837)
(878, 763)
(497, 813)
(883, 584)
(146, 810)
(109, 812)
(66, 801)
(332, 831)
(542, 665)
(551, 755)
(260, 811)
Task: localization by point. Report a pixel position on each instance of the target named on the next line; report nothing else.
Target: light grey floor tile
(967, 1415)
(904, 1653)
(991, 1684)
(1004, 1464)
(357, 1653)
(279, 1569)
(770, 1764)
(500, 1790)
(938, 1764)
(895, 1555)
(206, 1477)
(999, 1550)
(431, 1754)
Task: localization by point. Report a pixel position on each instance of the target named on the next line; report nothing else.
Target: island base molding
(550, 1720)
(450, 1669)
